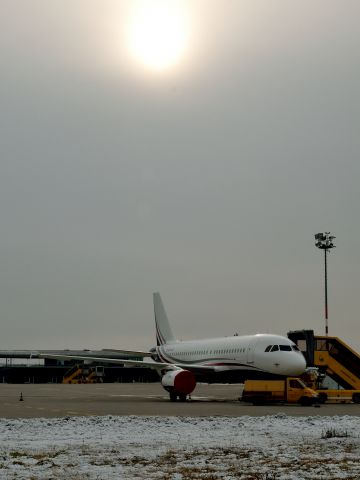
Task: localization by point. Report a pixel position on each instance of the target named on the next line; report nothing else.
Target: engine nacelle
(180, 382)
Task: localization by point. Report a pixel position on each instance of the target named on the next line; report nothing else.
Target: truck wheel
(322, 397)
(258, 401)
(182, 398)
(173, 397)
(305, 401)
(356, 398)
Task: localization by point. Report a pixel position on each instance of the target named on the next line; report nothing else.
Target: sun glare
(158, 32)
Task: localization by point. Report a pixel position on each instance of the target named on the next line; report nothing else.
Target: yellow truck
(288, 390)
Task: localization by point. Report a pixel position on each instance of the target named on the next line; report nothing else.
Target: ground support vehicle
(315, 380)
(332, 356)
(84, 374)
(338, 396)
(287, 390)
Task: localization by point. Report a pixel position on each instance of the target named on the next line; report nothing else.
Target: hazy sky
(206, 181)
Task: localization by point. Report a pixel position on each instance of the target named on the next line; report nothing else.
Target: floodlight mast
(324, 241)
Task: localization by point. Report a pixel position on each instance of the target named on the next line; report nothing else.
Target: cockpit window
(275, 348)
(267, 349)
(285, 348)
(295, 348)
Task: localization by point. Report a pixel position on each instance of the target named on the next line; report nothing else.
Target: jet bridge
(331, 355)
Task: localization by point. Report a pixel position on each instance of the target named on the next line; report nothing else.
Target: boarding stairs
(74, 375)
(331, 355)
(84, 374)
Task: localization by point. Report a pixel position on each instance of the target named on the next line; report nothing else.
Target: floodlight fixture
(324, 241)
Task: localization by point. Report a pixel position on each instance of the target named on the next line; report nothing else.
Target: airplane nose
(296, 365)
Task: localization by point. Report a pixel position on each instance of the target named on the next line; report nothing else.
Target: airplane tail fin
(163, 330)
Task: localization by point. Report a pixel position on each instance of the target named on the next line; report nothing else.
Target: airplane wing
(135, 363)
(134, 353)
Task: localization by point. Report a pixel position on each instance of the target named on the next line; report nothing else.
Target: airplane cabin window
(285, 348)
(275, 348)
(268, 348)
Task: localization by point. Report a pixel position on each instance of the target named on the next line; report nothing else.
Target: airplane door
(250, 352)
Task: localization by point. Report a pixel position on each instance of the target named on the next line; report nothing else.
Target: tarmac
(147, 399)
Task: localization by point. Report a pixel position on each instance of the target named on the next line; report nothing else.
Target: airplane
(233, 359)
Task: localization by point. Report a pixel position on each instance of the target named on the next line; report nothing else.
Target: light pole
(324, 241)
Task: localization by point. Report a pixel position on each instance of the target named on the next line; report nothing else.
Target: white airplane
(224, 360)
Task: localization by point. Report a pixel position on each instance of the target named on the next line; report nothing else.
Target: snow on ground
(172, 448)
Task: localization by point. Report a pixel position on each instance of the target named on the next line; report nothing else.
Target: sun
(158, 32)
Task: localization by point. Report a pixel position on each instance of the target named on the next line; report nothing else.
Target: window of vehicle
(295, 348)
(268, 348)
(296, 384)
(285, 348)
(275, 348)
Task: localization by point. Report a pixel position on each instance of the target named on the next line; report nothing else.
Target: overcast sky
(206, 181)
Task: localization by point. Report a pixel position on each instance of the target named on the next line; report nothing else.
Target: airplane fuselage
(247, 355)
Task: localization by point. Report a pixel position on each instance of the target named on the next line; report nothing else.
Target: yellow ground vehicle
(288, 390)
(331, 355)
(84, 374)
(338, 396)
(313, 379)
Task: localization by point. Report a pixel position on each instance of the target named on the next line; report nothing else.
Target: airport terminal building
(25, 366)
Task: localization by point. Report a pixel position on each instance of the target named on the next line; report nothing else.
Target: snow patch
(277, 447)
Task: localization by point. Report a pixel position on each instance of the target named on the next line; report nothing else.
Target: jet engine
(178, 383)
